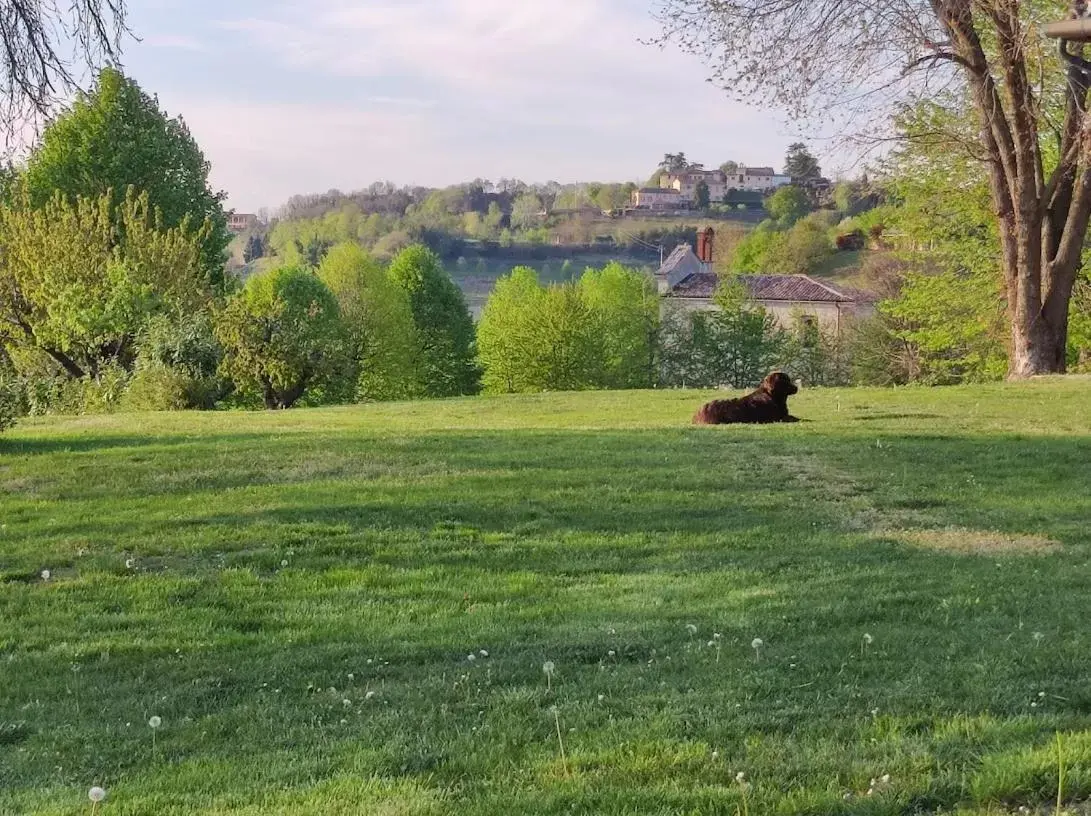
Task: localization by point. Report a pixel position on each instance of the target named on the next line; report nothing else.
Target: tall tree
(800, 164)
(42, 46)
(817, 56)
(702, 199)
(378, 324)
(444, 326)
(116, 137)
(674, 163)
(506, 344)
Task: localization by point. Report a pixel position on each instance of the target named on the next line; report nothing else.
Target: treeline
(608, 329)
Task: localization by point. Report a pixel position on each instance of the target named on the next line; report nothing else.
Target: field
(565, 604)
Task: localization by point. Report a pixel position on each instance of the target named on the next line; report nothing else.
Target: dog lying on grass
(768, 404)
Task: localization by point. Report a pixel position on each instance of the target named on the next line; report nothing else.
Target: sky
(302, 96)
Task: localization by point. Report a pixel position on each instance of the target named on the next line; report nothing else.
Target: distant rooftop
(791, 288)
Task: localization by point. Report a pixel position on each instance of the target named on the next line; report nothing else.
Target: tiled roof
(793, 288)
(681, 252)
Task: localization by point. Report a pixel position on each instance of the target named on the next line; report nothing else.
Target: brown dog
(768, 404)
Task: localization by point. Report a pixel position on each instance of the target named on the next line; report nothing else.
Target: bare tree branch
(45, 49)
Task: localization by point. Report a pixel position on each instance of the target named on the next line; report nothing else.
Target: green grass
(304, 590)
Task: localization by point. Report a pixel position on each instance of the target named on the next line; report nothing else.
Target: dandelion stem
(560, 740)
(1060, 773)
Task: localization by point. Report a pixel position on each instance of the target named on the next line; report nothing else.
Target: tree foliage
(735, 345)
(702, 199)
(444, 327)
(378, 325)
(787, 205)
(800, 164)
(623, 306)
(81, 278)
(116, 137)
(282, 335)
(598, 332)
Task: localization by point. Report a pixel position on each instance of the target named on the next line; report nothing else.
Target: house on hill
(687, 279)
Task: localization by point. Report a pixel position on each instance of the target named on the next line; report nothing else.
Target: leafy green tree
(526, 211)
(735, 345)
(955, 321)
(949, 311)
(787, 205)
(800, 164)
(730, 168)
(255, 248)
(116, 137)
(494, 219)
(81, 277)
(702, 199)
(752, 253)
(624, 308)
(506, 335)
(445, 329)
(378, 325)
(282, 335)
(801, 249)
(569, 353)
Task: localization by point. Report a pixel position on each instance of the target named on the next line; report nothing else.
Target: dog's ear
(779, 385)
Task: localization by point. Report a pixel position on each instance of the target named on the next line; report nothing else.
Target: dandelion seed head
(868, 639)
(886, 779)
(612, 653)
(370, 695)
(740, 777)
(757, 643)
(483, 653)
(129, 563)
(155, 721)
(691, 628)
(46, 575)
(471, 657)
(284, 563)
(96, 794)
(548, 667)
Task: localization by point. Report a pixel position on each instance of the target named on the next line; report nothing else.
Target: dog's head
(779, 385)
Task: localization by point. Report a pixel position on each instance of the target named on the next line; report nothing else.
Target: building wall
(831, 316)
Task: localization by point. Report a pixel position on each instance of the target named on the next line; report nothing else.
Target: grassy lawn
(297, 597)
